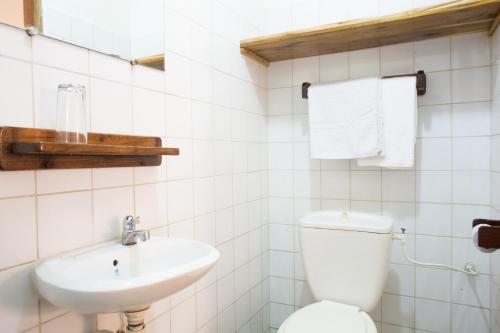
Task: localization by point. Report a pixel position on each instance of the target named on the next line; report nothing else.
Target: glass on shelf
(71, 124)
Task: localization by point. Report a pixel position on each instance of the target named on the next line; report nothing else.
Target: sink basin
(118, 278)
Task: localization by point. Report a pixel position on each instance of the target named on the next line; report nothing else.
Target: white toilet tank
(346, 256)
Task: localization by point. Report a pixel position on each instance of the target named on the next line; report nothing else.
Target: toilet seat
(328, 317)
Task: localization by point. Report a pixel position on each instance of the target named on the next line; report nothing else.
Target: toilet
(346, 262)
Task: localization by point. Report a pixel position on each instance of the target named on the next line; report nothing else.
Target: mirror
(128, 29)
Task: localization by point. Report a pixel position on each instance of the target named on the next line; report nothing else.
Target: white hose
(468, 269)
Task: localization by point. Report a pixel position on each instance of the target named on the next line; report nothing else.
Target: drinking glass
(71, 125)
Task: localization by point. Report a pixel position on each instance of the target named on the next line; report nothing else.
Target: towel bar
(421, 83)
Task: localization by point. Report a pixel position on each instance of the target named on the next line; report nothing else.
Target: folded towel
(344, 119)
(399, 113)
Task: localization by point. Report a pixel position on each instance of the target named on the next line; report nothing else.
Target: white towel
(399, 112)
(344, 119)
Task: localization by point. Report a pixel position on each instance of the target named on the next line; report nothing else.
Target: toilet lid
(326, 317)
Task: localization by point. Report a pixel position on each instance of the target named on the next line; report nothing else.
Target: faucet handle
(129, 222)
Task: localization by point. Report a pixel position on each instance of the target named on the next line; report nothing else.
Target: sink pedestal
(135, 321)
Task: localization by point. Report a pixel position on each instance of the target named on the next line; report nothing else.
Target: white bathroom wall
(435, 201)
(210, 102)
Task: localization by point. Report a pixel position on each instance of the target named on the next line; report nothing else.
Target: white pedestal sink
(118, 278)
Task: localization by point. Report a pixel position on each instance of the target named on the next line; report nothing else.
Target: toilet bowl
(328, 317)
(339, 251)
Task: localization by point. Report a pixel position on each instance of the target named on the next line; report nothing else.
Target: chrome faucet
(129, 234)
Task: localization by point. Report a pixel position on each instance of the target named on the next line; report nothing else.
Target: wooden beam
(254, 56)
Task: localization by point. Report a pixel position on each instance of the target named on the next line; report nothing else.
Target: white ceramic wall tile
(280, 129)
(366, 185)
(110, 206)
(470, 50)
(280, 156)
(396, 59)
(279, 101)
(111, 107)
(434, 121)
(187, 309)
(433, 186)
(279, 74)
(111, 177)
(471, 187)
(471, 85)
(105, 67)
(281, 237)
(434, 219)
(180, 200)
(398, 310)
(473, 292)
(17, 43)
(77, 322)
(469, 319)
(281, 264)
(434, 154)
(16, 82)
(334, 67)
(19, 222)
(471, 153)
(364, 63)
(178, 82)
(432, 315)
(150, 204)
(398, 185)
(50, 181)
(335, 184)
(281, 210)
(433, 54)
(402, 213)
(305, 70)
(401, 280)
(148, 112)
(54, 53)
(433, 249)
(430, 282)
(17, 183)
(307, 184)
(471, 119)
(64, 213)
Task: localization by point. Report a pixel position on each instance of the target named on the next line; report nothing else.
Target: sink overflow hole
(115, 263)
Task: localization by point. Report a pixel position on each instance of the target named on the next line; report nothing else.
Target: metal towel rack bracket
(421, 83)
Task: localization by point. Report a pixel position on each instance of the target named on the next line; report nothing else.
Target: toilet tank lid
(350, 221)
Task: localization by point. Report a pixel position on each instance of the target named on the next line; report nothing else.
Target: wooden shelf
(30, 149)
(440, 20)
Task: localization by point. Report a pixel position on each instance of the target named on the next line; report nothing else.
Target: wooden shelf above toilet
(436, 21)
